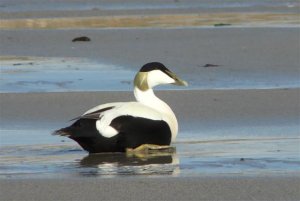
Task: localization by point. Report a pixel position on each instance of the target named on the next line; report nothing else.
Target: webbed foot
(150, 149)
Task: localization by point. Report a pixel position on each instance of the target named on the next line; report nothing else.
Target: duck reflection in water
(153, 162)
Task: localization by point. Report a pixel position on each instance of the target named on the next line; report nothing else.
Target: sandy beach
(238, 119)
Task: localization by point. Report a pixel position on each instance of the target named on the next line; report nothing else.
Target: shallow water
(41, 74)
(53, 156)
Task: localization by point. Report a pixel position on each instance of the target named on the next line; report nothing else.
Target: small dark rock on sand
(221, 24)
(19, 64)
(81, 39)
(210, 65)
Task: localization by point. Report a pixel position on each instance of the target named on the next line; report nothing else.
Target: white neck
(149, 99)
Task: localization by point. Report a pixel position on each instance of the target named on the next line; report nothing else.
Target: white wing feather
(100, 107)
(134, 109)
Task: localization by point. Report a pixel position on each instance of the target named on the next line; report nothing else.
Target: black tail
(84, 132)
(62, 132)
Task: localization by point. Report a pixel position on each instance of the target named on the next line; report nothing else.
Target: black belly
(133, 132)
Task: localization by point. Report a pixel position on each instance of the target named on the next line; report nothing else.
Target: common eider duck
(116, 127)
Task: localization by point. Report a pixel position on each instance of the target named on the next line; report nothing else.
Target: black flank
(133, 132)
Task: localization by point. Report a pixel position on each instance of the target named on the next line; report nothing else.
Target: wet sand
(191, 106)
(202, 188)
(265, 51)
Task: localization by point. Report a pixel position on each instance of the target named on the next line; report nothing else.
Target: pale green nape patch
(140, 81)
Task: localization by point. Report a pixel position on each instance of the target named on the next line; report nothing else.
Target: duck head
(155, 73)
